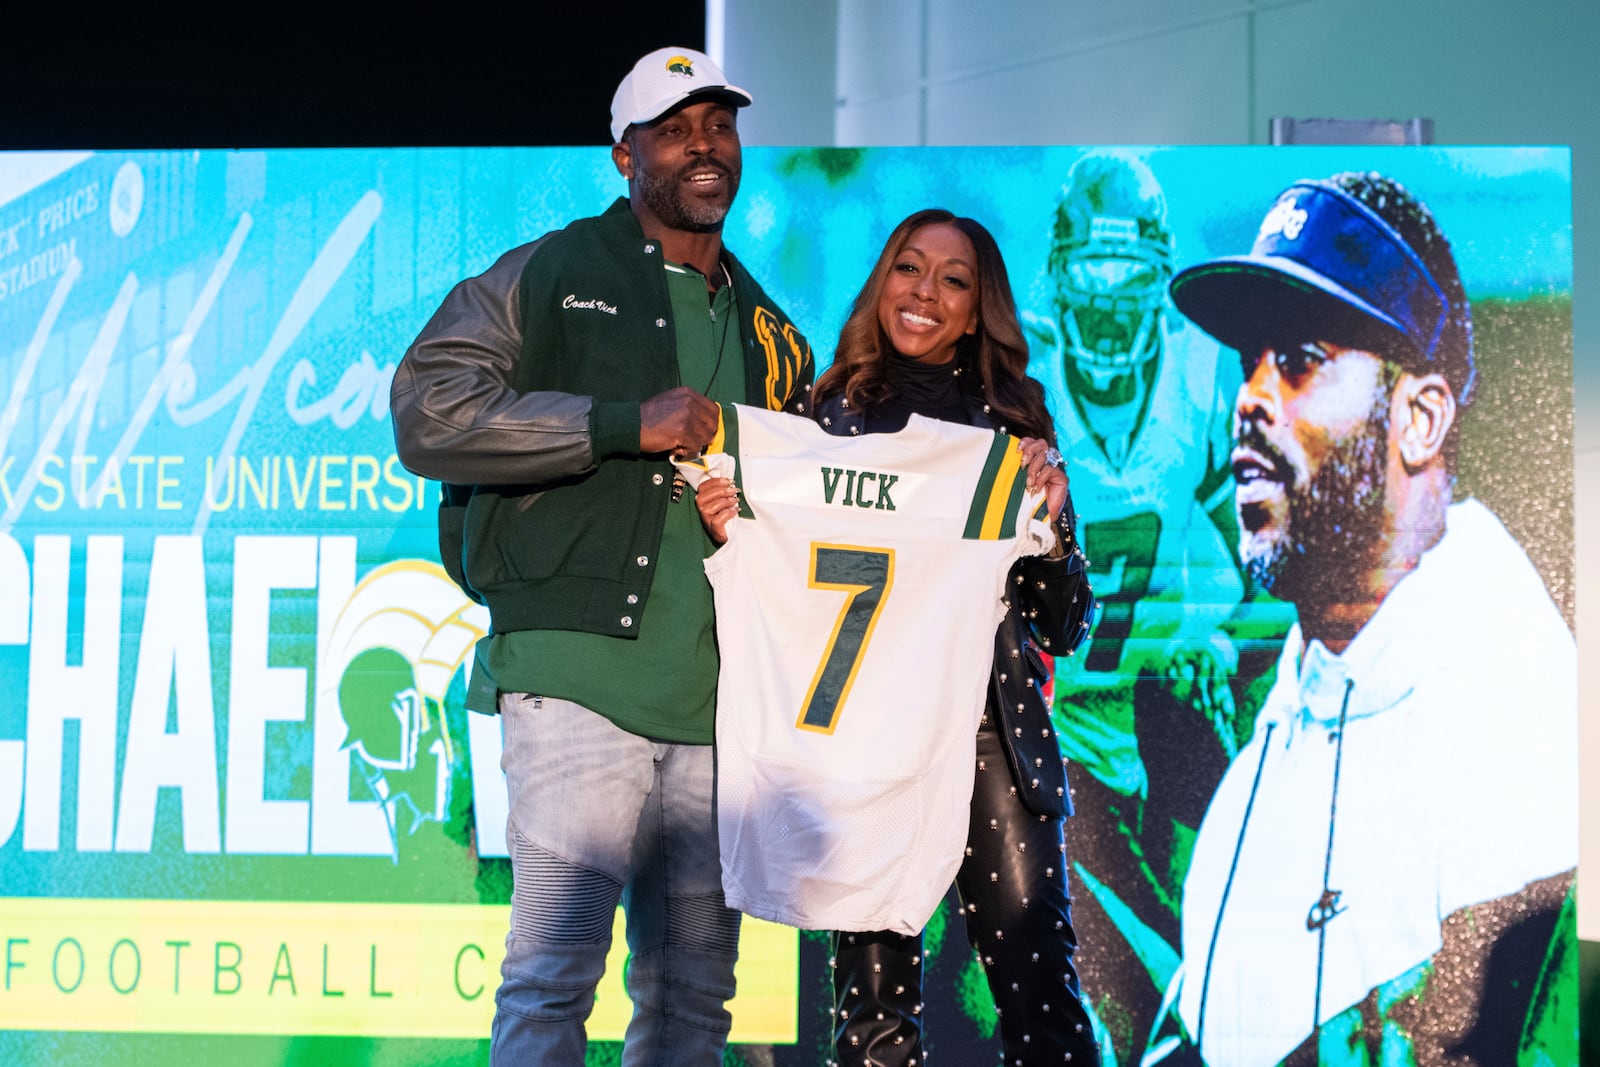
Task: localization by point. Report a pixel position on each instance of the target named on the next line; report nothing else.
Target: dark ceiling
(75, 74)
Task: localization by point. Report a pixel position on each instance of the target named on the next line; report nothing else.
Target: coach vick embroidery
(593, 304)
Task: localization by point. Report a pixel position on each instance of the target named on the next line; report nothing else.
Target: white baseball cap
(664, 79)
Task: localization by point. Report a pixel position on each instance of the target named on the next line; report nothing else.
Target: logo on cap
(1286, 217)
(681, 65)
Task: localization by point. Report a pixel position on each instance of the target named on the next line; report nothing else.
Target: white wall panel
(1180, 87)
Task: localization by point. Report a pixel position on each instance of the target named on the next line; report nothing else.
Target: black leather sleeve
(1054, 596)
(457, 416)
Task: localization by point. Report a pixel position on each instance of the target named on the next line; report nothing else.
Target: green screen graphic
(243, 812)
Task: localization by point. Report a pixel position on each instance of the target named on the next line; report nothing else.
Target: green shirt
(663, 683)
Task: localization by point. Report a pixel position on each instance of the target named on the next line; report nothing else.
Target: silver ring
(1053, 458)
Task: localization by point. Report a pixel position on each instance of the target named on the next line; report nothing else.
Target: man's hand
(680, 421)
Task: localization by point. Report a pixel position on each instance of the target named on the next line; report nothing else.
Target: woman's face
(930, 300)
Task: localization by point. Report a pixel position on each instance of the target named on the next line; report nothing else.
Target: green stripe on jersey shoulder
(998, 494)
(1016, 485)
(727, 440)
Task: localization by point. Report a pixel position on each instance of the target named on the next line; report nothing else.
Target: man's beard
(1332, 523)
(664, 196)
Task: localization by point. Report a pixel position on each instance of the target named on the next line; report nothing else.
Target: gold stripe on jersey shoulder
(994, 504)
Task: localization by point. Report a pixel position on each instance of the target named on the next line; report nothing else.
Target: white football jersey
(857, 600)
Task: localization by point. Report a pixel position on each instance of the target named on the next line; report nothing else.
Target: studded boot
(877, 987)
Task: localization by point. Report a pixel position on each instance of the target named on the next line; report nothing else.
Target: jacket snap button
(633, 598)
(661, 322)
(643, 561)
(627, 620)
(657, 479)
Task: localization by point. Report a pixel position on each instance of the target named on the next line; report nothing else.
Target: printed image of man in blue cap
(1409, 787)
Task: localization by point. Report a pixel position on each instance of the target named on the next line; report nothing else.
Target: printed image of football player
(1148, 707)
(398, 735)
(393, 671)
(1388, 862)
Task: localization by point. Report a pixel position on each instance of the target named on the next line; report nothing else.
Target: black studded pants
(1019, 919)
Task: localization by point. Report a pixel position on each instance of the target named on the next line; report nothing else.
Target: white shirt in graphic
(1457, 785)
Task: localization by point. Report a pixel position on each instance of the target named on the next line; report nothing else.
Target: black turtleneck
(930, 390)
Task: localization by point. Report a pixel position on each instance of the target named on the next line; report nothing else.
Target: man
(1413, 758)
(1146, 707)
(549, 393)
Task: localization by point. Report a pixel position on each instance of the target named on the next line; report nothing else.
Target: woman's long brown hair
(997, 352)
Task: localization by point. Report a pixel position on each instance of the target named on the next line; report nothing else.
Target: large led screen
(218, 584)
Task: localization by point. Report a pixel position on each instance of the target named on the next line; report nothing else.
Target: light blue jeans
(600, 816)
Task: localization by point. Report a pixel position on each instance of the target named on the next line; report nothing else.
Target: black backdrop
(80, 74)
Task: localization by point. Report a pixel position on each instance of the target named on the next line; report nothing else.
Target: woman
(934, 332)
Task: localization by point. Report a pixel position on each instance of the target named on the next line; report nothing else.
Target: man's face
(683, 169)
(1311, 431)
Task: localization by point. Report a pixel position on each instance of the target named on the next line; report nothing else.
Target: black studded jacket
(1050, 607)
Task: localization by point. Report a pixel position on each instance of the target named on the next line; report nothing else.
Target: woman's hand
(718, 501)
(1046, 471)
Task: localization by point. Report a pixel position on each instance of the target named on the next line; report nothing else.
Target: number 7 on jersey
(866, 574)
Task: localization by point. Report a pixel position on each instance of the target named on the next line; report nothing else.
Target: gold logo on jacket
(785, 363)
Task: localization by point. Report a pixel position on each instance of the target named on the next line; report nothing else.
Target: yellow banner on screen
(247, 967)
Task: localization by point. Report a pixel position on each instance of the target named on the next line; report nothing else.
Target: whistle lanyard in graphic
(1327, 906)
